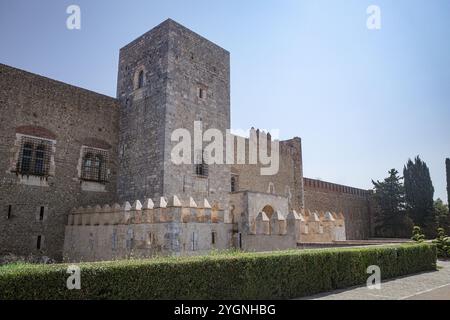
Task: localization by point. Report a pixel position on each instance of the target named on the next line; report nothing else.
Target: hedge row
(276, 275)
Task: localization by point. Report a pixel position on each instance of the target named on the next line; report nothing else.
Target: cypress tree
(419, 192)
(447, 166)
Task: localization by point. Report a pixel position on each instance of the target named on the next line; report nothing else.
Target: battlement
(333, 187)
(310, 225)
(160, 211)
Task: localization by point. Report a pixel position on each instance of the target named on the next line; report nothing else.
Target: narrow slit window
(8, 216)
(141, 79)
(233, 184)
(213, 237)
(39, 242)
(41, 213)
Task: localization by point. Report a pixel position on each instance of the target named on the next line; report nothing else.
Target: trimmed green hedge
(275, 275)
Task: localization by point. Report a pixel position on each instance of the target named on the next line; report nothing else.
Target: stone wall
(155, 228)
(176, 63)
(196, 64)
(263, 222)
(288, 182)
(352, 202)
(142, 114)
(68, 117)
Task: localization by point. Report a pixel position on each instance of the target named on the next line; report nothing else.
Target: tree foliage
(417, 236)
(389, 195)
(447, 166)
(442, 215)
(419, 192)
(442, 243)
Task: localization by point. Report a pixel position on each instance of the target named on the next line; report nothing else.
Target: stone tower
(168, 78)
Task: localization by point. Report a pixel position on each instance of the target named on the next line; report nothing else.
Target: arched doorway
(268, 210)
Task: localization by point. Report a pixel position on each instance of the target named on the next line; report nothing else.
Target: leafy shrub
(442, 243)
(274, 275)
(418, 236)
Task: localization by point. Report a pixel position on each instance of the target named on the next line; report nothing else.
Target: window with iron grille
(34, 156)
(94, 165)
(201, 167)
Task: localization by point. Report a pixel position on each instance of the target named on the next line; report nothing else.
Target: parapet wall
(167, 227)
(353, 202)
(163, 211)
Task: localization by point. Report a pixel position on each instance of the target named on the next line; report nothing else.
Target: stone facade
(287, 182)
(177, 63)
(64, 147)
(68, 118)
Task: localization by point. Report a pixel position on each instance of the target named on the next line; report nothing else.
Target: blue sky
(362, 101)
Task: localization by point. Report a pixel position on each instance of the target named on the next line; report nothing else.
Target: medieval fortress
(87, 177)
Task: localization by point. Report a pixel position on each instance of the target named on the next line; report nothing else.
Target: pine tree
(419, 192)
(389, 196)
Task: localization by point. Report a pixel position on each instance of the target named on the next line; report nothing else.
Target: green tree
(442, 215)
(442, 243)
(447, 166)
(389, 196)
(419, 192)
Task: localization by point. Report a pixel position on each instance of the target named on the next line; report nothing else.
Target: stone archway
(268, 210)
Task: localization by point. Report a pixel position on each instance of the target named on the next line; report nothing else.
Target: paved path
(434, 285)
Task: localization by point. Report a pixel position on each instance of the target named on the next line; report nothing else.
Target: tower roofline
(170, 22)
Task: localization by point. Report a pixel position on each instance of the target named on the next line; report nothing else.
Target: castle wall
(197, 64)
(352, 202)
(160, 229)
(142, 115)
(177, 64)
(287, 182)
(70, 117)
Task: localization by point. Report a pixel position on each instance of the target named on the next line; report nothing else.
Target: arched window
(141, 79)
(94, 165)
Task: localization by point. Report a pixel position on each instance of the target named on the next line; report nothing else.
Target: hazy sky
(363, 101)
